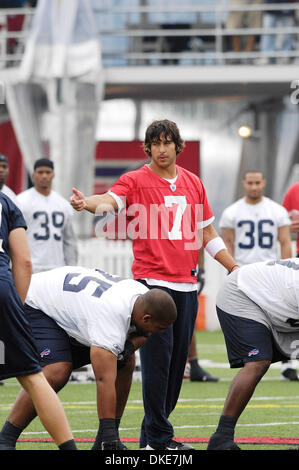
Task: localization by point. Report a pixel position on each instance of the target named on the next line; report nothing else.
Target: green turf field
(272, 412)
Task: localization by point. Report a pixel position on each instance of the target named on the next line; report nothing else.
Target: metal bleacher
(160, 45)
(148, 36)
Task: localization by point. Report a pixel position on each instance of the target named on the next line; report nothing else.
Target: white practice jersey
(49, 229)
(91, 306)
(9, 192)
(274, 287)
(256, 229)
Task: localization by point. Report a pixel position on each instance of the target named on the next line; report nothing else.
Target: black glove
(200, 279)
(125, 354)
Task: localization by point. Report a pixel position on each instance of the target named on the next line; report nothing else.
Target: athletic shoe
(5, 446)
(221, 442)
(229, 445)
(97, 445)
(198, 374)
(113, 445)
(172, 445)
(289, 374)
(1, 383)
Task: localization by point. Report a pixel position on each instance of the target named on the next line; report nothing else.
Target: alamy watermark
(295, 352)
(175, 219)
(2, 353)
(294, 98)
(2, 92)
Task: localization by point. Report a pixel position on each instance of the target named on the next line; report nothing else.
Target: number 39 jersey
(46, 218)
(256, 229)
(91, 306)
(164, 219)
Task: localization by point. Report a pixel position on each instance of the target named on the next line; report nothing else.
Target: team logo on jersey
(118, 348)
(173, 187)
(253, 352)
(45, 352)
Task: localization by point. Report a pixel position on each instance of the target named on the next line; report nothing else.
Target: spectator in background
(243, 19)
(270, 42)
(49, 219)
(174, 20)
(4, 170)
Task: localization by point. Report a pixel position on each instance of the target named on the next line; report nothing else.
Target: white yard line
(193, 426)
(181, 400)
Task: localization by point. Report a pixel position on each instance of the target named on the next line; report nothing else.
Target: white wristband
(215, 245)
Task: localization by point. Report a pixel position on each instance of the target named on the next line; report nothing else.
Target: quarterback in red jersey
(169, 216)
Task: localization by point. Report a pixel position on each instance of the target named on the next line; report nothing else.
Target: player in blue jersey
(18, 354)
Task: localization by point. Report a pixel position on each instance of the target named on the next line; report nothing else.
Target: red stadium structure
(10, 148)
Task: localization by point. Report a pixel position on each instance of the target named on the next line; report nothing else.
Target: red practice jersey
(163, 222)
(291, 204)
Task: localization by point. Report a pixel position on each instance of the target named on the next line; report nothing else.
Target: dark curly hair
(168, 129)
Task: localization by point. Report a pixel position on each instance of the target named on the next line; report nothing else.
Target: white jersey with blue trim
(6, 190)
(92, 306)
(256, 229)
(49, 222)
(274, 287)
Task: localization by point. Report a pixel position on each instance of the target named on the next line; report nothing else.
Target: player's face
(43, 177)
(254, 185)
(147, 327)
(3, 173)
(163, 152)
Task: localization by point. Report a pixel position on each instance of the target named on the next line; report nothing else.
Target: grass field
(272, 412)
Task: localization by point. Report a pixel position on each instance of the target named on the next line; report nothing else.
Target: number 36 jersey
(50, 234)
(256, 229)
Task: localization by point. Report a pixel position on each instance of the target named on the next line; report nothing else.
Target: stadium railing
(184, 35)
(161, 35)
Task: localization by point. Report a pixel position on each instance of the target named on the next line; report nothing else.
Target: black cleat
(171, 445)
(198, 374)
(113, 445)
(6, 446)
(221, 442)
(174, 445)
(290, 374)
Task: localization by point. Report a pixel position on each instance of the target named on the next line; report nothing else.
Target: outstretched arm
(98, 203)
